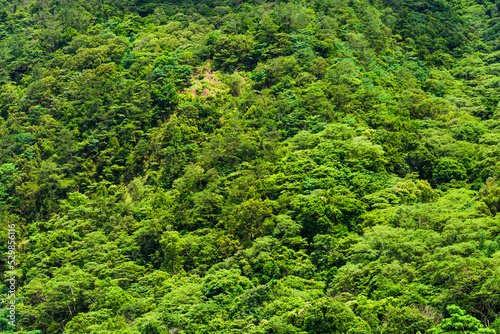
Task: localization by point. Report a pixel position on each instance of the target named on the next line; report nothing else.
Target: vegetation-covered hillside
(231, 166)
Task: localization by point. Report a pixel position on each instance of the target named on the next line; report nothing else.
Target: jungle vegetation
(233, 166)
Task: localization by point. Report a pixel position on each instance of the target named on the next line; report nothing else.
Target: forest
(250, 166)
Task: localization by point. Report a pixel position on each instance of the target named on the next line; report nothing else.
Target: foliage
(251, 166)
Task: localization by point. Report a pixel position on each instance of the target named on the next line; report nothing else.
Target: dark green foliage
(251, 166)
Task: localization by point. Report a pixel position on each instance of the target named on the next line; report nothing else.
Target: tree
(459, 322)
(248, 219)
(328, 316)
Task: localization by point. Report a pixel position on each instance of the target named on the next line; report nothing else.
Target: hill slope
(251, 166)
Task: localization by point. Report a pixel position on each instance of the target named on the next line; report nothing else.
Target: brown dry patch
(208, 72)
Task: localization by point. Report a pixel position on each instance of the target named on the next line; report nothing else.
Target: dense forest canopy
(231, 166)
